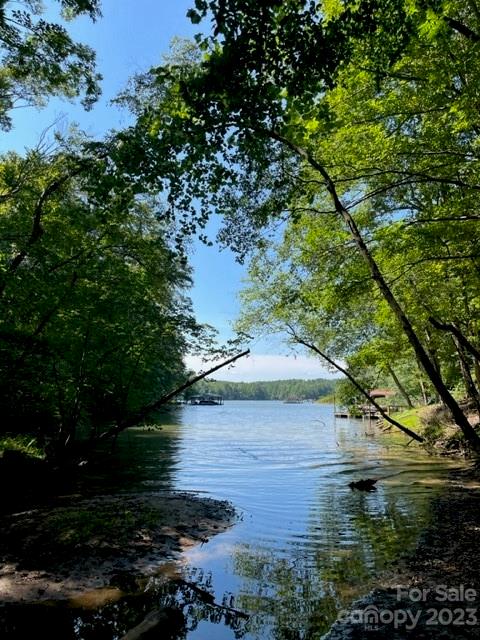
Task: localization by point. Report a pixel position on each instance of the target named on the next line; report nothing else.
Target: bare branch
(145, 411)
(357, 385)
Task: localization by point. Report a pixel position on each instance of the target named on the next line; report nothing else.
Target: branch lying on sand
(145, 411)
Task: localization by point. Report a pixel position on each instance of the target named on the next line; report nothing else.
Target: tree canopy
(354, 124)
(338, 141)
(95, 315)
(95, 319)
(38, 58)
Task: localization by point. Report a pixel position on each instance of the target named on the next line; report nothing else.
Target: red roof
(381, 393)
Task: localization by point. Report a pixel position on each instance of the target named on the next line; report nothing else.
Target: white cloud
(265, 367)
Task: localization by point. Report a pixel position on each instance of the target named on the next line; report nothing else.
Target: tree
(95, 318)
(38, 59)
(267, 390)
(341, 119)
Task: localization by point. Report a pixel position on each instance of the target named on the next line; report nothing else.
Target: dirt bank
(76, 545)
(436, 592)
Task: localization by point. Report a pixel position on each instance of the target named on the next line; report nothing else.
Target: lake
(305, 545)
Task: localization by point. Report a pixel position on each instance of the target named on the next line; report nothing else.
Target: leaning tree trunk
(357, 385)
(445, 396)
(400, 386)
(144, 412)
(470, 387)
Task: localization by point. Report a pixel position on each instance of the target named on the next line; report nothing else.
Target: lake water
(305, 544)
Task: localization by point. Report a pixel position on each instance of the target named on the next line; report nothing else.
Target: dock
(367, 411)
(207, 399)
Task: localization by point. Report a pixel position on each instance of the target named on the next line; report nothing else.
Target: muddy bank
(68, 549)
(435, 593)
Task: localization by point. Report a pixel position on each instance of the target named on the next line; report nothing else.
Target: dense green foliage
(400, 146)
(338, 140)
(349, 131)
(95, 322)
(267, 390)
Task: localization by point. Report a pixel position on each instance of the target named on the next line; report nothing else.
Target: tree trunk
(400, 387)
(455, 331)
(142, 413)
(423, 390)
(476, 368)
(446, 397)
(470, 388)
(358, 386)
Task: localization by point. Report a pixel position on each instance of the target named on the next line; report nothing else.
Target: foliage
(95, 321)
(355, 124)
(398, 171)
(27, 445)
(39, 59)
(337, 140)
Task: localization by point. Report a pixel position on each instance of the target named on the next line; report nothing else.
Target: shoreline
(434, 592)
(65, 551)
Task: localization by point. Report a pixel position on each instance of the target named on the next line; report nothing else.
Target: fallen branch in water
(207, 598)
(357, 385)
(144, 412)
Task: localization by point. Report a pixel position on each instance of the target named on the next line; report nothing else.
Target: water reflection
(307, 545)
(169, 610)
(140, 459)
(355, 536)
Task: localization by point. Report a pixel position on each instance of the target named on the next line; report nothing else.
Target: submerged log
(367, 484)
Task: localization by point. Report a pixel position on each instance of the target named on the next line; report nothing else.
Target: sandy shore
(66, 550)
(435, 593)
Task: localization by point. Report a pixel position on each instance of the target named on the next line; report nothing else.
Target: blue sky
(132, 36)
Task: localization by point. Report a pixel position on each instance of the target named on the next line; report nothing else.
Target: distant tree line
(267, 390)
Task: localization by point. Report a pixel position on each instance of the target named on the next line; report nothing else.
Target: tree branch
(145, 411)
(463, 340)
(37, 229)
(388, 295)
(459, 27)
(462, 218)
(357, 385)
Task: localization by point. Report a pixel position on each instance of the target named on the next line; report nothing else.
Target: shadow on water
(139, 458)
(305, 547)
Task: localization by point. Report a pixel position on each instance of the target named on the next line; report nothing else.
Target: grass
(24, 443)
(433, 423)
(411, 418)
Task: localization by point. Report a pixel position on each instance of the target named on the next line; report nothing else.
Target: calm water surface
(305, 545)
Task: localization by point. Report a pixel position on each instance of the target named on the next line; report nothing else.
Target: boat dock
(207, 399)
